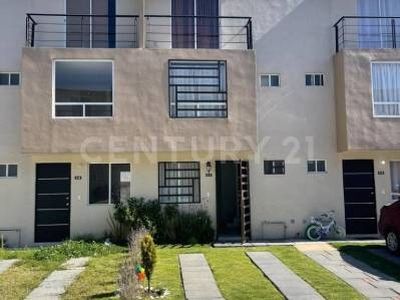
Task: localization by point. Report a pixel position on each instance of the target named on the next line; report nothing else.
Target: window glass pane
(69, 111)
(274, 80)
(321, 166)
(84, 82)
(14, 79)
(4, 78)
(98, 183)
(3, 170)
(386, 94)
(12, 170)
(98, 111)
(120, 182)
(311, 167)
(265, 80)
(308, 80)
(317, 80)
(395, 179)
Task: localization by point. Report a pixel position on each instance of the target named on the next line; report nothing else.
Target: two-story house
(261, 112)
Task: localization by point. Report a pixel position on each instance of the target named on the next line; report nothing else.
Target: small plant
(118, 231)
(149, 257)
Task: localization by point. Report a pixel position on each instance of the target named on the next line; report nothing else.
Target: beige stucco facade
(141, 120)
(357, 128)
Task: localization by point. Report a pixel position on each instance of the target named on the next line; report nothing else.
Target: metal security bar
(193, 32)
(198, 89)
(81, 31)
(179, 182)
(354, 32)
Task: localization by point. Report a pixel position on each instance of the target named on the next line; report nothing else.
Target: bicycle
(317, 230)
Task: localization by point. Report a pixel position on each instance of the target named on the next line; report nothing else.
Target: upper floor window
(386, 89)
(313, 79)
(83, 88)
(194, 32)
(9, 78)
(376, 32)
(270, 80)
(197, 89)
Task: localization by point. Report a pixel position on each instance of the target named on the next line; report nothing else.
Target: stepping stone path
(287, 282)
(6, 264)
(57, 282)
(370, 282)
(386, 255)
(198, 280)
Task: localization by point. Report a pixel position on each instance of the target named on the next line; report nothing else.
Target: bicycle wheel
(313, 232)
(339, 233)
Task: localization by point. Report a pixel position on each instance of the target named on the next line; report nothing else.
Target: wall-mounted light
(383, 162)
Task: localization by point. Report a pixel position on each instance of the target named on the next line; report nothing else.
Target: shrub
(149, 257)
(166, 223)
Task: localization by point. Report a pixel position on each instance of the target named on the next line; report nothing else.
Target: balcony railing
(81, 31)
(353, 32)
(193, 32)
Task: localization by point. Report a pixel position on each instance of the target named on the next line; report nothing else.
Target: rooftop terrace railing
(359, 32)
(81, 31)
(193, 32)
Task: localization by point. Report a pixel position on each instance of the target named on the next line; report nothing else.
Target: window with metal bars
(198, 89)
(179, 182)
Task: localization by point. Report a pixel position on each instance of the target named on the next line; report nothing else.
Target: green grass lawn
(361, 253)
(24, 276)
(236, 276)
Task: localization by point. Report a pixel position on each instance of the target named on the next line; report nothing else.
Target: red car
(389, 226)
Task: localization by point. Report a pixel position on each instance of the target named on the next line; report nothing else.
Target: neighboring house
(263, 112)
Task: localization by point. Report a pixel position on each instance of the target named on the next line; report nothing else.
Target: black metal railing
(81, 31)
(166, 31)
(359, 32)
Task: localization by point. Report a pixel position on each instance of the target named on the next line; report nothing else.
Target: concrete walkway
(6, 264)
(287, 282)
(198, 280)
(57, 282)
(386, 255)
(368, 281)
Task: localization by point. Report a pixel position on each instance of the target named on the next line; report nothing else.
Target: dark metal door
(53, 193)
(359, 196)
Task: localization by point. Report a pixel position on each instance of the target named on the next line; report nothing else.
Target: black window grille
(198, 89)
(179, 182)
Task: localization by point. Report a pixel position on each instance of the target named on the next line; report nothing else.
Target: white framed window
(316, 166)
(385, 78)
(314, 79)
(9, 78)
(83, 88)
(8, 170)
(109, 182)
(270, 80)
